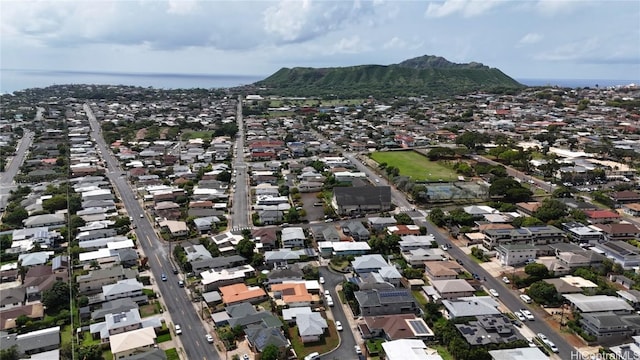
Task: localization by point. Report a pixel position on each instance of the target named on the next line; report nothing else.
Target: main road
(179, 306)
(510, 298)
(241, 216)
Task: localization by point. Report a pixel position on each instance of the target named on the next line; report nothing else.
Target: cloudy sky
(539, 39)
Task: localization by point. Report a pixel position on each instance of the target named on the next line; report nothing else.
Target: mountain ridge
(424, 75)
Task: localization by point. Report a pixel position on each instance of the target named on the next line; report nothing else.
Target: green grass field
(205, 135)
(414, 165)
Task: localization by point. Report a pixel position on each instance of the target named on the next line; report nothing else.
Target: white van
(526, 298)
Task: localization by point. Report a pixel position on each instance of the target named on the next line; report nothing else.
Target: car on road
(321, 280)
(526, 298)
(358, 350)
(130, 218)
(141, 215)
(175, 271)
(444, 247)
(476, 276)
(542, 336)
(532, 343)
(519, 316)
(506, 280)
(245, 357)
(181, 283)
(326, 292)
(527, 314)
(338, 326)
(209, 338)
(178, 329)
(312, 356)
(163, 277)
(493, 292)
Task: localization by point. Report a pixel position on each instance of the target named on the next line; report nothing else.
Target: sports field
(414, 165)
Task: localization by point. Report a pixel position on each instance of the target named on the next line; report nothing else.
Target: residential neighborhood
(140, 223)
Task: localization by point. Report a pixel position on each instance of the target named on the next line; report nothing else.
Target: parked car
(494, 292)
(178, 329)
(312, 356)
(209, 338)
(519, 316)
(444, 247)
(321, 280)
(181, 283)
(526, 298)
(542, 337)
(326, 292)
(358, 350)
(245, 357)
(338, 326)
(506, 280)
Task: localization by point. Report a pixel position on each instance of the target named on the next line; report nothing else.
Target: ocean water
(14, 80)
(575, 83)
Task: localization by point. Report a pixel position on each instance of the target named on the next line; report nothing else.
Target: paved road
(176, 299)
(509, 297)
(241, 216)
(347, 340)
(12, 168)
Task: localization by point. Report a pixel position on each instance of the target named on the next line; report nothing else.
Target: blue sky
(540, 39)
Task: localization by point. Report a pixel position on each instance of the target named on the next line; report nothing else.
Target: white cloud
(468, 8)
(394, 43)
(350, 45)
(182, 7)
(555, 7)
(530, 38)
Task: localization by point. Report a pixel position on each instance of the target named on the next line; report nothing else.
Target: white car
(506, 280)
(321, 280)
(527, 314)
(494, 292)
(357, 348)
(326, 292)
(209, 338)
(178, 329)
(542, 337)
(444, 247)
(338, 326)
(519, 316)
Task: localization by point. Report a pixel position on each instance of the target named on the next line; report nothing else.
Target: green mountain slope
(426, 75)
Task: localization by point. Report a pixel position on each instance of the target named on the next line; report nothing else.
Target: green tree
(56, 298)
(270, 352)
(543, 293)
(509, 189)
(403, 219)
(12, 353)
(14, 217)
(245, 248)
(90, 352)
(349, 289)
(537, 270)
(437, 217)
(224, 176)
(551, 209)
(55, 203)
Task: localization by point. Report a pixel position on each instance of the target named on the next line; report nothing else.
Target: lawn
(420, 298)
(172, 354)
(205, 135)
(164, 337)
(147, 310)
(374, 346)
(443, 352)
(415, 166)
(327, 343)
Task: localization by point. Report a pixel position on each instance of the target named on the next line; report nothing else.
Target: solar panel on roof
(418, 327)
(392, 293)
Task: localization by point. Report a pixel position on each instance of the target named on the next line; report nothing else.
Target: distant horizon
(21, 79)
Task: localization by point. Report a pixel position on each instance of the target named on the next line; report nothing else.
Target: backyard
(415, 166)
(328, 342)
